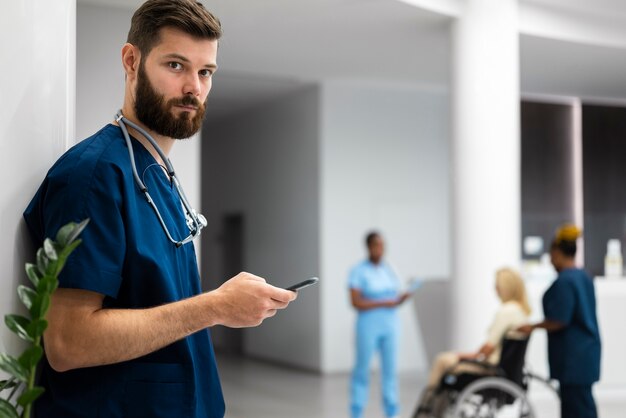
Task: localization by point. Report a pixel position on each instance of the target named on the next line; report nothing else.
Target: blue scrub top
(126, 256)
(376, 282)
(574, 351)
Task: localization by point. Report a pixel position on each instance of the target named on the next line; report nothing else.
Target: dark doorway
(230, 340)
(604, 174)
(547, 151)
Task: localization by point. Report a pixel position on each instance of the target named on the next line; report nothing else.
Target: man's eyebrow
(182, 58)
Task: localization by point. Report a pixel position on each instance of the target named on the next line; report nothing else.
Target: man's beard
(154, 112)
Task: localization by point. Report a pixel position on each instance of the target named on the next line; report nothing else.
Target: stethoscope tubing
(198, 220)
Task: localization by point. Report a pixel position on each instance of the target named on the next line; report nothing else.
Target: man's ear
(131, 57)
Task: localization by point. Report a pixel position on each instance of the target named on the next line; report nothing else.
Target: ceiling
(614, 8)
(563, 68)
(271, 47)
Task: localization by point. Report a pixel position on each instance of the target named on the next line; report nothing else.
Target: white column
(486, 161)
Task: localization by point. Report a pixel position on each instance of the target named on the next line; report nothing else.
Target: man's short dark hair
(188, 16)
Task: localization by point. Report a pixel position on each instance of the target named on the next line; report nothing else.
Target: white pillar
(486, 161)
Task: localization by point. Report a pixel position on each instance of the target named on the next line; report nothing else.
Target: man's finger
(281, 295)
(279, 304)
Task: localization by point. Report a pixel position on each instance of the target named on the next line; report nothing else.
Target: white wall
(384, 156)
(383, 163)
(263, 163)
(101, 32)
(36, 124)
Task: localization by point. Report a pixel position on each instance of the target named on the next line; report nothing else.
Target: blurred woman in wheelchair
(512, 313)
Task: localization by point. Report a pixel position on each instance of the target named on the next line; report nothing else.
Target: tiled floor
(258, 390)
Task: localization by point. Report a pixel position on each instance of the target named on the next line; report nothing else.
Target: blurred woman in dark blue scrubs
(574, 346)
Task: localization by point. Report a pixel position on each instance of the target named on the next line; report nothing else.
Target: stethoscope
(195, 220)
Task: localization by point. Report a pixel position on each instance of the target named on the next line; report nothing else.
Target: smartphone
(303, 284)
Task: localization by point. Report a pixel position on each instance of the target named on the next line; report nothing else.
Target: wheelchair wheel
(492, 397)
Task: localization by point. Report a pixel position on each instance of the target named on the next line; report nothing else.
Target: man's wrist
(210, 308)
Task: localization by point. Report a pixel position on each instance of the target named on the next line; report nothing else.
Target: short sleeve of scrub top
(559, 302)
(76, 188)
(356, 277)
(375, 282)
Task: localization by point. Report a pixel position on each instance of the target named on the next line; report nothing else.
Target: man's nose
(192, 85)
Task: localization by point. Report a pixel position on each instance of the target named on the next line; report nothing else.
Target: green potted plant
(18, 391)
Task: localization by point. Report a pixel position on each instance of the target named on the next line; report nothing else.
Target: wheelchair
(493, 392)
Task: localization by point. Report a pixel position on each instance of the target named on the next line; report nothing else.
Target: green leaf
(48, 248)
(13, 367)
(78, 228)
(68, 233)
(42, 261)
(31, 272)
(64, 233)
(65, 253)
(8, 384)
(36, 328)
(7, 410)
(31, 357)
(41, 303)
(27, 295)
(18, 324)
(68, 250)
(30, 395)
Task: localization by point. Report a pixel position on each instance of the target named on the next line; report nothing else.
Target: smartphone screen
(303, 284)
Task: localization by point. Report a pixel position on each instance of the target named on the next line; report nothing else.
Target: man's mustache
(186, 101)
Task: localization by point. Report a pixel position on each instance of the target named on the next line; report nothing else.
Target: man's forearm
(83, 334)
(109, 336)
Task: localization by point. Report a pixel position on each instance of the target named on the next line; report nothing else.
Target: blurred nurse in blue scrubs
(569, 307)
(375, 293)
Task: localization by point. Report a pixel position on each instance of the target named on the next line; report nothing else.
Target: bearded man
(128, 327)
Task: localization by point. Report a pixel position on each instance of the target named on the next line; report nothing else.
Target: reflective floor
(256, 389)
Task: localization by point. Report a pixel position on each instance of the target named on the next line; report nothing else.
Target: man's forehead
(176, 42)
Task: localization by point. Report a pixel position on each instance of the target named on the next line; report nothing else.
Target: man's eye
(206, 73)
(175, 65)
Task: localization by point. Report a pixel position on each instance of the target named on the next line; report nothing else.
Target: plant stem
(31, 380)
(31, 383)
